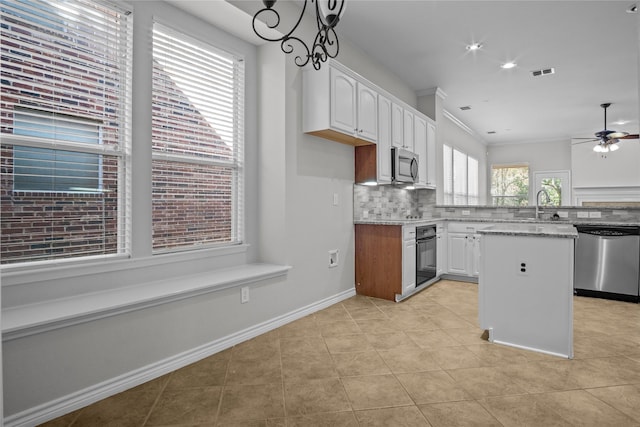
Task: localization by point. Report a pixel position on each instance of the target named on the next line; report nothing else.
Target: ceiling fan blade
(616, 135)
(632, 136)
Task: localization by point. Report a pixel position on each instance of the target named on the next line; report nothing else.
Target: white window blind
(461, 177)
(66, 78)
(472, 179)
(198, 139)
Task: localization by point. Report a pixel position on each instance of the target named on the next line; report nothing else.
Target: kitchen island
(526, 286)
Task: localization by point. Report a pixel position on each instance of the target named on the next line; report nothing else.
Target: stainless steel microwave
(404, 166)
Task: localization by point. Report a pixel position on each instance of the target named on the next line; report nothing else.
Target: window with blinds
(197, 133)
(66, 71)
(461, 177)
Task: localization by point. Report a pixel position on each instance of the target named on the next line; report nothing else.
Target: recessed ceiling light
(621, 122)
(508, 65)
(474, 46)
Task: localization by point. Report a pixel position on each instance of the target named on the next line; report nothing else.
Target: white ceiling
(593, 46)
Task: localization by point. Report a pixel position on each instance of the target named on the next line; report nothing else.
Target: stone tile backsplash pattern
(389, 202)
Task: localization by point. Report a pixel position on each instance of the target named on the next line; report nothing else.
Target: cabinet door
(474, 247)
(431, 155)
(343, 102)
(408, 266)
(457, 253)
(397, 125)
(408, 130)
(367, 111)
(420, 148)
(441, 253)
(383, 148)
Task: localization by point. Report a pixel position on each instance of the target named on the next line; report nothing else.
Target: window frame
(519, 165)
(51, 28)
(236, 163)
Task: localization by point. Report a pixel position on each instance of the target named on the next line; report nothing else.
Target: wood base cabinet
(385, 260)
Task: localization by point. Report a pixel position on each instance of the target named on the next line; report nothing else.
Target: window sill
(22, 321)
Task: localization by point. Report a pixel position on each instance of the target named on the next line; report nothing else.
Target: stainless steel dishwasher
(607, 262)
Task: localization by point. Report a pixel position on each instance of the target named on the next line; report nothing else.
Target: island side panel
(531, 308)
(378, 260)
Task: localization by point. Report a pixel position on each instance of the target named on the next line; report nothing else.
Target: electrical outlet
(563, 214)
(522, 269)
(365, 214)
(582, 214)
(244, 295)
(333, 258)
(595, 214)
(466, 213)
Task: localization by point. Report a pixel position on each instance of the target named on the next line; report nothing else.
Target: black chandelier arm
(325, 46)
(288, 47)
(265, 14)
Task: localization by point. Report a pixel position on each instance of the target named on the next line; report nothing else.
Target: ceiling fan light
(613, 147)
(599, 148)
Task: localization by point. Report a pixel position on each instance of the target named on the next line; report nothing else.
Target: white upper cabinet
(409, 131)
(384, 140)
(343, 102)
(420, 148)
(397, 125)
(431, 154)
(340, 106)
(367, 124)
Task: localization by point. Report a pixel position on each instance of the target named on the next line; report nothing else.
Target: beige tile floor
(369, 362)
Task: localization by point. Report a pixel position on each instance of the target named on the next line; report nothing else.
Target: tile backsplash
(390, 202)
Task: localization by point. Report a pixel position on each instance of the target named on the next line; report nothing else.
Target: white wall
(540, 156)
(290, 182)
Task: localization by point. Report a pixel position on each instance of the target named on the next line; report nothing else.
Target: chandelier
(325, 44)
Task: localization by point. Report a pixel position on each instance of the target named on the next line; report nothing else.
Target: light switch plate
(563, 214)
(466, 213)
(595, 214)
(583, 214)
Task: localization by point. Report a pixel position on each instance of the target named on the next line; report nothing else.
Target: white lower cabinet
(408, 259)
(441, 250)
(463, 248)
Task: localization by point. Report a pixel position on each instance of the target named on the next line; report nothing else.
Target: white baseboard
(79, 399)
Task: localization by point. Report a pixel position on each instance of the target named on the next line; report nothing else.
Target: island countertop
(564, 231)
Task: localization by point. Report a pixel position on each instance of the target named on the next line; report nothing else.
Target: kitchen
(297, 180)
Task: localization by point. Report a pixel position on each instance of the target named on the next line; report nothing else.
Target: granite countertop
(428, 221)
(565, 231)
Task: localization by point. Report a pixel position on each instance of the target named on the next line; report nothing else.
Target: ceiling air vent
(466, 108)
(491, 132)
(543, 72)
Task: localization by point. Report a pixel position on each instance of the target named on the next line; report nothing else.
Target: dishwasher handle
(609, 231)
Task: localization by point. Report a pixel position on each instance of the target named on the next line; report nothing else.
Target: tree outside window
(510, 185)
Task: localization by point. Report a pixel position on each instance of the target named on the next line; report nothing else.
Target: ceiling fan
(607, 139)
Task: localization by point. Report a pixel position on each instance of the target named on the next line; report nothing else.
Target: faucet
(538, 211)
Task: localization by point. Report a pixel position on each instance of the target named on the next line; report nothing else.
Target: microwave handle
(414, 169)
